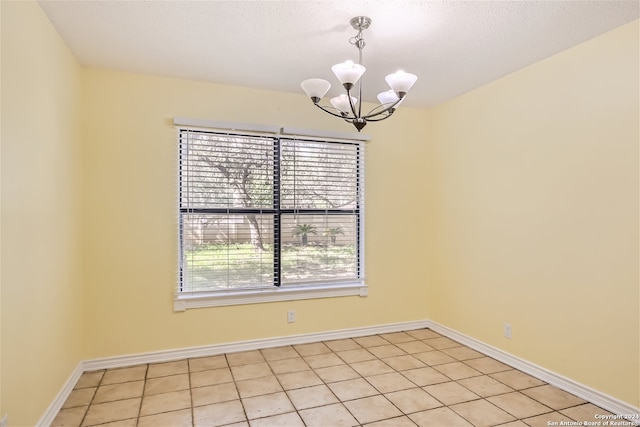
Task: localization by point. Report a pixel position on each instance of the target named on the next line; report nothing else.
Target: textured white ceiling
(453, 47)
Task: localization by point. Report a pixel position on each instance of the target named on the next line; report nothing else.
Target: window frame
(278, 292)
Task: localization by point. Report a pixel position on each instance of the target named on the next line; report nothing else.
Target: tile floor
(399, 379)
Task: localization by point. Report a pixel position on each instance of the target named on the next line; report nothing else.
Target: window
(267, 217)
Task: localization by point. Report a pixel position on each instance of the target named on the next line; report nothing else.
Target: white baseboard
(603, 400)
(212, 350)
(67, 388)
(600, 399)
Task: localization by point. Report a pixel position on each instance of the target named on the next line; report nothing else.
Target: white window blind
(262, 211)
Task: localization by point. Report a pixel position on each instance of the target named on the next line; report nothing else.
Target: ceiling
(452, 46)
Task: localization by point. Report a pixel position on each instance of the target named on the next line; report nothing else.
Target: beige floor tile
(121, 375)
(218, 414)
(174, 419)
(323, 360)
(393, 422)
(450, 393)
(371, 367)
(407, 380)
(547, 419)
(245, 358)
(169, 368)
(516, 423)
(370, 409)
(441, 343)
(119, 391)
(357, 355)
(112, 411)
(424, 376)
(165, 402)
(214, 394)
(258, 386)
(403, 363)
(71, 417)
(336, 373)
(435, 357)
(481, 413)
(396, 337)
(413, 400)
(129, 422)
(413, 347)
(298, 380)
(516, 379)
(312, 349)
(553, 397)
(311, 397)
(586, 412)
(290, 419)
(288, 365)
(487, 365)
(439, 417)
(353, 389)
(80, 397)
(462, 353)
(485, 386)
(247, 372)
(210, 377)
(267, 405)
(519, 405)
(90, 379)
(392, 381)
(205, 363)
(388, 350)
(424, 334)
(371, 341)
(331, 415)
(279, 353)
(457, 370)
(167, 384)
(342, 345)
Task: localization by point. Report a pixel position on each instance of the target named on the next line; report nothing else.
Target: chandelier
(346, 106)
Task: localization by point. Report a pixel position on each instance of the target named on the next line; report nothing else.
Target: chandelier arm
(371, 113)
(353, 108)
(325, 109)
(374, 119)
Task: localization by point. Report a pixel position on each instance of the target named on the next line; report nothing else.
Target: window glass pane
(319, 248)
(222, 171)
(318, 175)
(222, 251)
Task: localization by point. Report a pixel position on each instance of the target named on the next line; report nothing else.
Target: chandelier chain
(358, 41)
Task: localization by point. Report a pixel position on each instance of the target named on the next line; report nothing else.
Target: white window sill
(187, 300)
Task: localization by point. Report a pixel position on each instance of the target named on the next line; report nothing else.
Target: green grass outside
(216, 265)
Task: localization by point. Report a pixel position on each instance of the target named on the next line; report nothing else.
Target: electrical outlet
(291, 316)
(507, 330)
(3, 421)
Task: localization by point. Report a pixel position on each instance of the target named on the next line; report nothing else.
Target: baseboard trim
(67, 388)
(212, 350)
(600, 399)
(603, 400)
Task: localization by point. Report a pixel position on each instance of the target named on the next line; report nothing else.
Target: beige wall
(41, 323)
(130, 217)
(517, 202)
(534, 181)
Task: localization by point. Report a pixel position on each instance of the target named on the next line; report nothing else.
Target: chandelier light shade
(349, 75)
